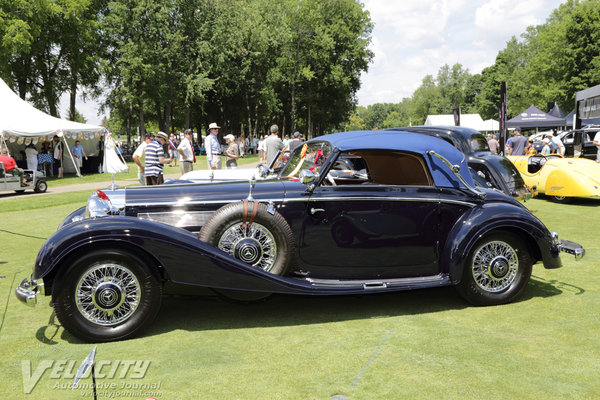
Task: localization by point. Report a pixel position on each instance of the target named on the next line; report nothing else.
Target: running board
(381, 284)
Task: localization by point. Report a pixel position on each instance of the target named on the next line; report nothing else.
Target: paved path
(93, 185)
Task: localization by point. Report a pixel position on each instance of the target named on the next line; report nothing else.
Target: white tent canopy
(19, 118)
(473, 121)
(21, 124)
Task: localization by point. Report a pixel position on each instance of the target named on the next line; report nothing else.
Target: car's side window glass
(381, 167)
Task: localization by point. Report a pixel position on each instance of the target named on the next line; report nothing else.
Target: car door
(371, 230)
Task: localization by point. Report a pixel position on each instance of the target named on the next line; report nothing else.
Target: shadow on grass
(195, 313)
(208, 312)
(46, 334)
(575, 201)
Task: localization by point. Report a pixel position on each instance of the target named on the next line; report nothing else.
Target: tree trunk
(129, 117)
(309, 122)
(72, 95)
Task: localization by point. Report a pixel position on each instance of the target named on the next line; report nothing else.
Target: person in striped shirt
(155, 160)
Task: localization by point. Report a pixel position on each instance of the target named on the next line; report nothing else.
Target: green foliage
(355, 123)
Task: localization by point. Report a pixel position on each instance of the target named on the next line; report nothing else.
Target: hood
(180, 194)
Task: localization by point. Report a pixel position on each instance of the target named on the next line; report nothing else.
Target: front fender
(180, 254)
(488, 217)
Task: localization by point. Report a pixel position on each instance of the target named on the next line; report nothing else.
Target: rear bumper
(28, 290)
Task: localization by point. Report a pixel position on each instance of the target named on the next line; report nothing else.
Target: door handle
(316, 210)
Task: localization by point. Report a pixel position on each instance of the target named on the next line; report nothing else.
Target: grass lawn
(420, 344)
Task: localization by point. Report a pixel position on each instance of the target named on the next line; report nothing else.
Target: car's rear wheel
(250, 233)
(496, 271)
(106, 295)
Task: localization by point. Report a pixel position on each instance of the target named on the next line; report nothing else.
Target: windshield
(478, 143)
(309, 156)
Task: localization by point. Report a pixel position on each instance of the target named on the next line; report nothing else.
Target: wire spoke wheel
(495, 266)
(107, 294)
(255, 245)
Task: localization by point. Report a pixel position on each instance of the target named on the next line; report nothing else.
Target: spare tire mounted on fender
(247, 231)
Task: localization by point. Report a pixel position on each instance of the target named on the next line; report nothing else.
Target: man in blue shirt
(78, 153)
(213, 148)
(516, 144)
(155, 160)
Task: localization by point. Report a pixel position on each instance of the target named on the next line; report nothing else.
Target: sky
(414, 38)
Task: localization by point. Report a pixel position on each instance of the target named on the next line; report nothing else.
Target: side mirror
(263, 171)
(307, 177)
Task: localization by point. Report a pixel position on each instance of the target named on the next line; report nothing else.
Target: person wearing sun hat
(212, 146)
(232, 153)
(546, 149)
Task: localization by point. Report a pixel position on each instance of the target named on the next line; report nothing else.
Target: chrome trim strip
(400, 199)
(315, 199)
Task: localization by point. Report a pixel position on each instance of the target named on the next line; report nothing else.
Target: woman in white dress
(112, 162)
(31, 154)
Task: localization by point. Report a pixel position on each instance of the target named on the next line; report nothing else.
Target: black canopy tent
(533, 117)
(557, 112)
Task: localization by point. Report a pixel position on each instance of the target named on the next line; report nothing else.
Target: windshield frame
(291, 170)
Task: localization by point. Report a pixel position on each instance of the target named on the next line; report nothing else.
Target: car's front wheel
(561, 199)
(106, 295)
(496, 271)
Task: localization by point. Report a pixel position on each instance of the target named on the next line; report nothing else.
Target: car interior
(382, 168)
(535, 163)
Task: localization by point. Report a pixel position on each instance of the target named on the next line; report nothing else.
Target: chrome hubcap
(255, 246)
(495, 266)
(107, 294)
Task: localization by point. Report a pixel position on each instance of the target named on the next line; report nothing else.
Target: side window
(382, 167)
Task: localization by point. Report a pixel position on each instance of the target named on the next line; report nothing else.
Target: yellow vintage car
(559, 177)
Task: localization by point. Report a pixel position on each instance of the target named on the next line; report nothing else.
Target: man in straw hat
(212, 146)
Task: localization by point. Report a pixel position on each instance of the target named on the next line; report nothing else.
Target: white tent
(491, 125)
(473, 121)
(21, 124)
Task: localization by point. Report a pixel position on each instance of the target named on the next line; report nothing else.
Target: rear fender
(486, 218)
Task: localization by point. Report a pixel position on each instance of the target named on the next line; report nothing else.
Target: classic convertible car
(559, 177)
(411, 218)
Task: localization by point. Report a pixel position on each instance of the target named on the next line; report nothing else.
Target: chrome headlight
(100, 205)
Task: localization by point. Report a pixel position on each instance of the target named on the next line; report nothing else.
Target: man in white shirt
(187, 152)
(213, 148)
(139, 157)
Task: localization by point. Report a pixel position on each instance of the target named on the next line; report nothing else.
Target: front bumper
(573, 248)
(28, 290)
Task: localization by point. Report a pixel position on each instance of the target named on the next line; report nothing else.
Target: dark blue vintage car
(409, 218)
